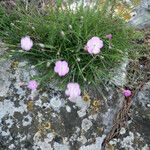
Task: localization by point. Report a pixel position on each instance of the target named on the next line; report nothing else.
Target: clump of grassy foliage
(64, 33)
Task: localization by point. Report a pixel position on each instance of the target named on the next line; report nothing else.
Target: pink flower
(109, 36)
(32, 85)
(26, 43)
(94, 45)
(61, 67)
(127, 93)
(73, 90)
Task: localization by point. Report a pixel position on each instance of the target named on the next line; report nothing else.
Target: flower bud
(70, 27)
(127, 93)
(41, 45)
(33, 28)
(85, 79)
(48, 64)
(81, 17)
(20, 51)
(12, 50)
(62, 33)
(78, 59)
(12, 24)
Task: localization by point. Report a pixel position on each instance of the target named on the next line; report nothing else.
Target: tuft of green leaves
(64, 34)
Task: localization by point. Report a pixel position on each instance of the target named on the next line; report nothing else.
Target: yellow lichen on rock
(30, 105)
(96, 105)
(86, 97)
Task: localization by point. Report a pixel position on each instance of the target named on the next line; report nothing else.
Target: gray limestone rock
(142, 17)
(4, 72)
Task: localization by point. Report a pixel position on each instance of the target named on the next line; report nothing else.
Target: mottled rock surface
(142, 17)
(46, 120)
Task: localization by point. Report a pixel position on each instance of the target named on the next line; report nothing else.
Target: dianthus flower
(32, 85)
(61, 67)
(127, 93)
(73, 90)
(94, 45)
(26, 43)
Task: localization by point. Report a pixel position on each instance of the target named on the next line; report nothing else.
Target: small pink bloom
(61, 67)
(94, 45)
(32, 85)
(127, 93)
(26, 43)
(109, 36)
(73, 90)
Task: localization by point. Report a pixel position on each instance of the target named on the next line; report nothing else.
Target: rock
(143, 95)
(145, 4)
(121, 73)
(95, 146)
(5, 79)
(58, 146)
(142, 17)
(5, 75)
